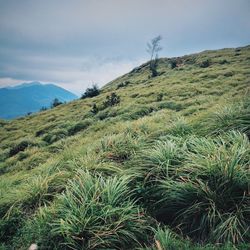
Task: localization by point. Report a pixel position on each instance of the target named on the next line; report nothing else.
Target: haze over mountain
(30, 97)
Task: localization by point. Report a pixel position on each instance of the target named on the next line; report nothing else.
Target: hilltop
(166, 167)
(30, 97)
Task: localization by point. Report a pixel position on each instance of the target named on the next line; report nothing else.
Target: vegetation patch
(20, 146)
(79, 126)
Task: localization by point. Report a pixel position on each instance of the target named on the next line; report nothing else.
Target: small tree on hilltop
(153, 48)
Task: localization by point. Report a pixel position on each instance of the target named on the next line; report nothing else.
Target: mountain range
(30, 97)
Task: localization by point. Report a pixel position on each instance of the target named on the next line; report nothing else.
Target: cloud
(76, 42)
(74, 74)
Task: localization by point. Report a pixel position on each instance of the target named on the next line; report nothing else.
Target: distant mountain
(30, 97)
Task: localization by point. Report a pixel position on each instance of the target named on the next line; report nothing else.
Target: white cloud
(4, 82)
(75, 43)
(76, 78)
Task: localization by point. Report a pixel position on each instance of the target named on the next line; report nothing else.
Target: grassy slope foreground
(166, 168)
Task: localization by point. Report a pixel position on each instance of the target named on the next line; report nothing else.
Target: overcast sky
(75, 43)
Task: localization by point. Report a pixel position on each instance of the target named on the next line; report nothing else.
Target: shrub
(20, 146)
(94, 109)
(43, 130)
(34, 158)
(102, 115)
(228, 74)
(91, 92)
(37, 229)
(79, 126)
(55, 135)
(171, 105)
(98, 213)
(206, 63)
(159, 97)
(173, 64)
(140, 112)
(134, 95)
(111, 100)
(3, 123)
(43, 108)
(123, 84)
(11, 219)
(56, 102)
(223, 61)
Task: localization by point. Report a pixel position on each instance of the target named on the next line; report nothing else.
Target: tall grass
(120, 147)
(98, 213)
(166, 239)
(231, 117)
(209, 199)
(159, 159)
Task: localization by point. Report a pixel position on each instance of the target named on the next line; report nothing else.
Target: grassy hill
(165, 168)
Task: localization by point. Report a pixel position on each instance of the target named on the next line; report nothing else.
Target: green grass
(207, 198)
(165, 168)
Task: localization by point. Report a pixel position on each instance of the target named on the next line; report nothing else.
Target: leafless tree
(153, 48)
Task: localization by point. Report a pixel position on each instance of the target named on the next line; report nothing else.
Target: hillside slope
(30, 97)
(166, 168)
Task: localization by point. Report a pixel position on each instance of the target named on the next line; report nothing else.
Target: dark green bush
(56, 102)
(45, 129)
(134, 95)
(21, 146)
(111, 100)
(173, 64)
(123, 84)
(11, 219)
(55, 135)
(170, 105)
(228, 74)
(140, 112)
(79, 126)
(223, 61)
(206, 63)
(159, 97)
(102, 115)
(43, 108)
(91, 92)
(94, 109)
(37, 229)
